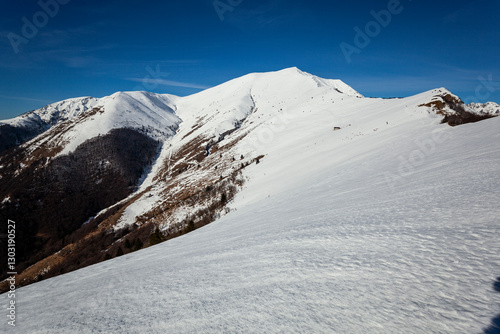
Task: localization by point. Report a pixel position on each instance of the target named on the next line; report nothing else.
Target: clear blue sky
(95, 48)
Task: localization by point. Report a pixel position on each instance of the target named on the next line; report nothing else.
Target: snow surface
(388, 225)
(137, 110)
(248, 102)
(153, 114)
(54, 113)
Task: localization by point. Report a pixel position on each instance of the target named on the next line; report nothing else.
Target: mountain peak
(294, 69)
(335, 84)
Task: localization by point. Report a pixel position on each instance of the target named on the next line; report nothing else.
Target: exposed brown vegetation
(459, 116)
(50, 204)
(196, 183)
(465, 118)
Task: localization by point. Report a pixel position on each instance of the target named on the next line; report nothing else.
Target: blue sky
(95, 48)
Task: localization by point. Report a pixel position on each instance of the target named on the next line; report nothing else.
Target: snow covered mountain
(333, 212)
(81, 119)
(20, 129)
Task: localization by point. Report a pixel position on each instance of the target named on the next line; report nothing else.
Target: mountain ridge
(36, 122)
(198, 150)
(359, 208)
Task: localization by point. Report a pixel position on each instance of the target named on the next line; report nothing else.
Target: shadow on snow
(495, 322)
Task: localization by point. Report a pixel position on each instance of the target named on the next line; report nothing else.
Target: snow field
(332, 233)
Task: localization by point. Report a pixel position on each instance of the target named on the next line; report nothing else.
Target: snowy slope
(53, 113)
(149, 112)
(242, 105)
(70, 123)
(235, 100)
(388, 224)
(18, 130)
(336, 250)
(264, 106)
